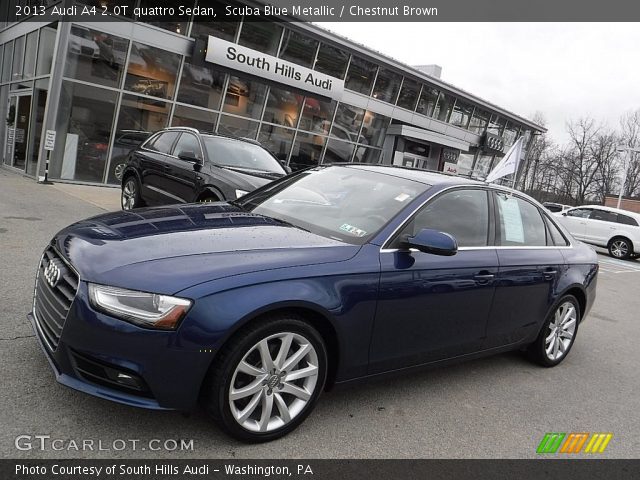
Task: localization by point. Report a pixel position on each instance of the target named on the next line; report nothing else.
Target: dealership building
(308, 95)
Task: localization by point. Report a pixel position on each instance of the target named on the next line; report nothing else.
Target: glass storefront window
(409, 94)
(277, 140)
(37, 118)
(152, 71)
(95, 56)
(245, 97)
(45, 49)
(6, 61)
(316, 114)
(427, 102)
(510, 134)
(306, 151)
(496, 125)
(374, 129)
(85, 119)
(338, 151)
(331, 61)
(178, 23)
(387, 86)
(201, 85)
(347, 122)
(369, 155)
(283, 107)
(461, 114)
(203, 120)
(18, 59)
(298, 48)
(482, 166)
(443, 107)
(238, 127)
(261, 36)
(30, 55)
(479, 121)
(360, 75)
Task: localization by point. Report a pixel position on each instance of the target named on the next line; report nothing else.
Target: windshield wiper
(284, 222)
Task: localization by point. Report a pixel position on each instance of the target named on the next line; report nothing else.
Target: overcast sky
(564, 70)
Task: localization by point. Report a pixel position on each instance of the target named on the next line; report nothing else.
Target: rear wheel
(130, 196)
(558, 333)
(621, 248)
(267, 379)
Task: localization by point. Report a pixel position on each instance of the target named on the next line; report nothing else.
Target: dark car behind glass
(183, 165)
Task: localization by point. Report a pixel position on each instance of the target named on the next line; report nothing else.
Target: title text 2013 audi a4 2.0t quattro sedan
(325, 276)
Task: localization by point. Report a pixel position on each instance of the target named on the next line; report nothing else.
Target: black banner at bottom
(198, 469)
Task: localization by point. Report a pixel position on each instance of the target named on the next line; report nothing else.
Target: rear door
(182, 176)
(530, 268)
(576, 221)
(600, 227)
(153, 161)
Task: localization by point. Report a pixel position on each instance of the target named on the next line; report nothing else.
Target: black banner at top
(323, 10)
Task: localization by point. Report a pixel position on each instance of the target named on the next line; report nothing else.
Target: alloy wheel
(273, 382)
(129, 193)
(619, 249)
(561, 331)
(119, 170)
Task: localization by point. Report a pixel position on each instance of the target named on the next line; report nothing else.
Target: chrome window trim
(485, 187)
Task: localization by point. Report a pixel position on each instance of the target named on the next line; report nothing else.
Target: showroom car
(611, 228)
(255, 307)
(182, 165)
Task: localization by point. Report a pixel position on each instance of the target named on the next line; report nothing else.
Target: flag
(509, 163)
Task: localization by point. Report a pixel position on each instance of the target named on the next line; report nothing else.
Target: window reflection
(277, 140)
(347, 122)
(30, 55)
(306, 151)
(338, 151)
(261, 36)
(443, 107)
(370, 155)
(510, 134)
(360, 75)
(496, 125)
(316, 113)
(283, 107)
(387, 86)
(461, 114)
(45, 49)
(238, 127)
(6, 61)
(331, 61)
(95, 57)
(479, 121)
(203, 120)
(427, 102)
(245, 97)
(374, 129)
(409, 94)
(152, 71)
(18, 59)
(298, 48)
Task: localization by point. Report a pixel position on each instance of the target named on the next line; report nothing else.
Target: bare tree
(630, 136)
(605, 157)
(580, 165)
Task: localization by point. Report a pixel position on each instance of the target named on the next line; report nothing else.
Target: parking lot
(497, 407)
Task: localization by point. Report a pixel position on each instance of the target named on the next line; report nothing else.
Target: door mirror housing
(432, 241)
(189, 156)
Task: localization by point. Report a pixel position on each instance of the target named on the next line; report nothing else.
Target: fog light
(128, 380)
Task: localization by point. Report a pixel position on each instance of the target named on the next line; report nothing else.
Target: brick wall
(626, 204)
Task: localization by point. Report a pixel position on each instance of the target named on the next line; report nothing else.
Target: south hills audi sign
(236, 57)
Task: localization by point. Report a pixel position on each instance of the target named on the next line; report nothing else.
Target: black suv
(183, 165)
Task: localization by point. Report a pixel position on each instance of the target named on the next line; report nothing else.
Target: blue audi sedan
(332, 274)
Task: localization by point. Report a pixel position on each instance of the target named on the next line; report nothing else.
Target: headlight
(145, 309)
(240, 193)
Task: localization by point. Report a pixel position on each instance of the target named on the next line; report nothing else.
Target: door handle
(549, 274)
(483, 277)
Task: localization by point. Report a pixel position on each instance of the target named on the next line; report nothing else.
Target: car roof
(212, 134)
(423, 176)
(613, 210)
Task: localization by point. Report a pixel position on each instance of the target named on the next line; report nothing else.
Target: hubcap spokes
(561, 331)
(273, 382)
(619, 248)
(128, 196)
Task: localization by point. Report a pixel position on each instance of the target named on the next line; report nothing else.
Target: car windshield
(228, 152)
(344, 203)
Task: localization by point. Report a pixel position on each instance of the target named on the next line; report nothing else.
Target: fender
(212, 189)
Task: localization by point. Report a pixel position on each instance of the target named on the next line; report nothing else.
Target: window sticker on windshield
(402, 197)
(352, 230)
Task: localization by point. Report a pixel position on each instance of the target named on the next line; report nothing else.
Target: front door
(17, 136)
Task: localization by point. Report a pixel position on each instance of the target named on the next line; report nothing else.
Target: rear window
(603, 215)
(627, 220)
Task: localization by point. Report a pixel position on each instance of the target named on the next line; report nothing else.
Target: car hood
(168, 249)
(249, 179)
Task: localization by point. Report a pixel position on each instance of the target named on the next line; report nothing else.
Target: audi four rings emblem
(495, 143)
(52, 274)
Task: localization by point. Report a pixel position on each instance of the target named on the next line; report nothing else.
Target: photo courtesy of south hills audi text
(301, 239)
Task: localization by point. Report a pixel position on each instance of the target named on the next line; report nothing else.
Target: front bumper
(170, 369)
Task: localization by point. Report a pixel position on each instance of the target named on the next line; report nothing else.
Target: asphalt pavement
(497, 407)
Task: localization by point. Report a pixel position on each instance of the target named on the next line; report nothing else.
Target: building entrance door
(17, 136)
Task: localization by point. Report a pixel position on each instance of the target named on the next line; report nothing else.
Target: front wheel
(267, 379)
(130, 196)
(558, 333)
(620, 248)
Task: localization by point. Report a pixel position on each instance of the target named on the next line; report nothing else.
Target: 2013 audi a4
(329, 275)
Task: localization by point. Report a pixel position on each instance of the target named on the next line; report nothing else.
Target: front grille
(51, 303)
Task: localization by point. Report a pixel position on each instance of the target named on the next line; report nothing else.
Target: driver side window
(463, 213)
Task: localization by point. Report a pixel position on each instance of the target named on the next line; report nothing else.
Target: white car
(614, 229)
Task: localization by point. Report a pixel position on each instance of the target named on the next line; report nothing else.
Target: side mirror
(564, 214)
(432, 241)
(189, 156)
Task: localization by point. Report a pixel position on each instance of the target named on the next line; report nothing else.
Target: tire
(241, 409)
(620, 247)
(130, 194)
(553, 344)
